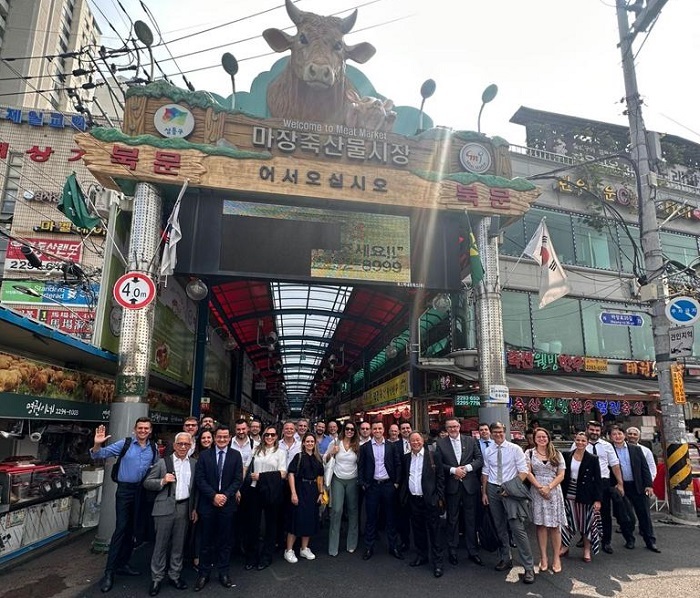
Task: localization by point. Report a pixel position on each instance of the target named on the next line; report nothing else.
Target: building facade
(44, 40)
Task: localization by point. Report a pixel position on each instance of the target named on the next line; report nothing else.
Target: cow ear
(360, 53)
(278, 40)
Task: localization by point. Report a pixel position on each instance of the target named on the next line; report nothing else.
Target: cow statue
(313, 86)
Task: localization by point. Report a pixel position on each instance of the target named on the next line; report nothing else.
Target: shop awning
(575, 386)
(19, 333)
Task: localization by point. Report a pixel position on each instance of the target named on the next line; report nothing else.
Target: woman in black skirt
(305, 477)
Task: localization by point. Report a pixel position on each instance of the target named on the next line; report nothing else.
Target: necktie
(499, 466)
(487, 442)
(595, 450)
(220, 466)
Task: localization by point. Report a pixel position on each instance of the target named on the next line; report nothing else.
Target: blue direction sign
(614, 319)
(683, 311)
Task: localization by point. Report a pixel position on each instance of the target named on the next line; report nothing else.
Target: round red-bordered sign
(134, 290)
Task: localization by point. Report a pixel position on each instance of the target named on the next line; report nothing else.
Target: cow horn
(293, 12)
(348, 22)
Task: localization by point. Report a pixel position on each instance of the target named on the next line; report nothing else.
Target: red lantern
(397, 414)
(406, 413)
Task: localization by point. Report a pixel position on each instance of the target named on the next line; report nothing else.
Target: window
(682, 248)
(560, 231)
(517, 329)
(12, 186)
(604, 340)
(596, 249)
(642, 340)
(557, 327)
(514, 240)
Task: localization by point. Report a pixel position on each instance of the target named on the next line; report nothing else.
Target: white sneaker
(290, 557)
(307, 554)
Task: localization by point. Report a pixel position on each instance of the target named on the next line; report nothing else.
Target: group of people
(261, 487)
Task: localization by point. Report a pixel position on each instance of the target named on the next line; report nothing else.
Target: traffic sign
(134, 290)
(683, 310)
(615, 319)
(681, 341)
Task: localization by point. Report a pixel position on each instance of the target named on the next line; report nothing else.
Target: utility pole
(681, 500)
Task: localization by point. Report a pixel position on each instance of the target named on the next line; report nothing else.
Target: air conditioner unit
(103, 199)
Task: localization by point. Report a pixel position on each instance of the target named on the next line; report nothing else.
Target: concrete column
(135, 346)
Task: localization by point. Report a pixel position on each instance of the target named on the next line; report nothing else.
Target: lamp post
(486, 96)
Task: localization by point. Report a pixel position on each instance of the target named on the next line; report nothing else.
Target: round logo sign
(173, 120)
(134, 290)
(683, 310)
(475, 158)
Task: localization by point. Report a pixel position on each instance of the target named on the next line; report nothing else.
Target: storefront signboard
(577, 406)
(540, 361)
(389, 392)
(29, 407)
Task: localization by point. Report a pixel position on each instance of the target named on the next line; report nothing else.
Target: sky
(553, 55)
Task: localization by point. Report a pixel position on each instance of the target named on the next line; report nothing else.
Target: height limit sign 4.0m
(134, 290)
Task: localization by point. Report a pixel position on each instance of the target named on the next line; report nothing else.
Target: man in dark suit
(637, 482)
(461, 460)
(218, 475)
(173, 478)
(423, 490)
(380, 476)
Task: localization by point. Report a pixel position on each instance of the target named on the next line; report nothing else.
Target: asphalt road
(71, 570)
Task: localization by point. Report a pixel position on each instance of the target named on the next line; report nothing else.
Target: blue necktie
(220, 466)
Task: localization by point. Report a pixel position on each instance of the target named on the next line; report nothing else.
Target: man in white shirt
(403, 522)
(633, 436)
(289, 443)
(173, 508)
(405, 431)
(503, 462)
(302, 428)
(484, 437)
(243, 443)
(255, 431)
(608, 461)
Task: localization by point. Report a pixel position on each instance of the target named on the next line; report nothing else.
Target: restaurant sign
(540, 361)
(389, 392)
(577, 406)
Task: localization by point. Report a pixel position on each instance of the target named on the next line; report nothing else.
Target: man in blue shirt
(133, 467)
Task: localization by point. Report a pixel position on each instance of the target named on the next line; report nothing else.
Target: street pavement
(70, 570)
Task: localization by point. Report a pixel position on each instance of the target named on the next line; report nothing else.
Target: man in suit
(423, 490)
(380, 477)
(461, 460)
(173, 508)
(637, 482)
(218, 476)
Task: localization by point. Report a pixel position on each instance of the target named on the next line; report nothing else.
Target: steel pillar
(135, 346)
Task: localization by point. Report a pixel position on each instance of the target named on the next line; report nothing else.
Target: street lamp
(145, 36)
(230, 64)
(487, 96)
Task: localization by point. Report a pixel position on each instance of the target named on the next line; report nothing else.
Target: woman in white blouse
(266, 471)
(344, 489)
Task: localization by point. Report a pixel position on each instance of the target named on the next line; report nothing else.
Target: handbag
(325, 497)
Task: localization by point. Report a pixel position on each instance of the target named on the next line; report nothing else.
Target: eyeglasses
(269, 435)
(190, 425)
(183, 444)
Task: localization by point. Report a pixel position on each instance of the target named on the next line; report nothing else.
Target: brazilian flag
(475, 264)
(74, 205)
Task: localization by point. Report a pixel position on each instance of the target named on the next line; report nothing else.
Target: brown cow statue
(313, 86)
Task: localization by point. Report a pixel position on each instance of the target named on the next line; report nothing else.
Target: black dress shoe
(437, 572)
(225, 581)
(263, 565)
(418, 561)
(476, 559)
(629, 544)
(249, 566)
(607, 548)
(452, 557)
(154, 590)
(653, 548)
(107, 582)
(202, 580)
(127, 570)
(367, 554)
(178, 584)
(504, 565)
(396, 553)
(529, 576)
